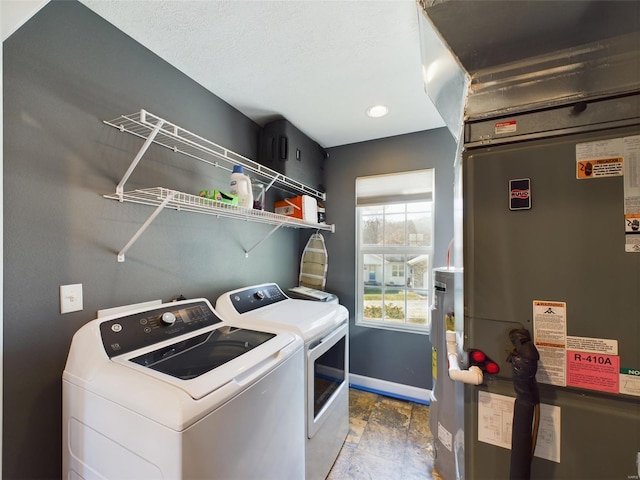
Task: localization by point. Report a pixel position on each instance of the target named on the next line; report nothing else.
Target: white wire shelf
(154, 129)
(192, 203)
(144, 124)
(162, 198)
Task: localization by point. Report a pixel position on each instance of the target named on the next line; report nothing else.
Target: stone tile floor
(389, 439)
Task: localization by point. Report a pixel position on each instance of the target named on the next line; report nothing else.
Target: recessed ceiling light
(377, 111)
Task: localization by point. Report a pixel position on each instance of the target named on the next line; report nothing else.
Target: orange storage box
(303, 207)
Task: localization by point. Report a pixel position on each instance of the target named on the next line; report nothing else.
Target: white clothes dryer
(324, 328)
(173, 391)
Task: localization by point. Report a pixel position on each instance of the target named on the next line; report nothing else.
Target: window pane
(394, 229)
(372, 270)
(394, 305)
(394, 270)
(418, 307)
(372, 229)
(419, 229)
(372, 303)
(418, 272)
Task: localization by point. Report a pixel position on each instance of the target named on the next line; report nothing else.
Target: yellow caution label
(434, 362)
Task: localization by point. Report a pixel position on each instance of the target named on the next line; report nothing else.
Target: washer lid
(211, 360)
(194, 356)
(182, 344)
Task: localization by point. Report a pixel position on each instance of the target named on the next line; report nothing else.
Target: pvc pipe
(471, 376)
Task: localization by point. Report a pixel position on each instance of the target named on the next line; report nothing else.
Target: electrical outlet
(70, 298)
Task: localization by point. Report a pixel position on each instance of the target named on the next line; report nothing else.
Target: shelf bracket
(273, 180)
(138, 157)
(146, 224)
(247, 252)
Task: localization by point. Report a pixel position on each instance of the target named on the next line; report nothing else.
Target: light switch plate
(70, 298)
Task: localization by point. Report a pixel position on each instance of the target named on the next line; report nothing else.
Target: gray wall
(398, 357)
(65, 71)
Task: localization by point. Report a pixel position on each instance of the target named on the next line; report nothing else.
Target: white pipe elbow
(471, 376)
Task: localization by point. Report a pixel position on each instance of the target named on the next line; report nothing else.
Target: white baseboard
(406, 392)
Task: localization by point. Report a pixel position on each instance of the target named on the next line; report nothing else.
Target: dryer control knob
(168, 318)
(260, 295)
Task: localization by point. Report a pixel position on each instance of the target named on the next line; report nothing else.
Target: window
(395, 250)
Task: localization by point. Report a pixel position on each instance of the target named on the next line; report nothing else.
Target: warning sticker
(602, 158)
(510, 126)
(632, 223)
(632, 194)
(603, 167)
(632, 244)
(434, 362)
(593, 371)
(550, 338)
(595, 345)
(445, 437)
(632, 175)
(630, 381)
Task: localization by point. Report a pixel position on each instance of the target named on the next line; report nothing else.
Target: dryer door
(326, 376)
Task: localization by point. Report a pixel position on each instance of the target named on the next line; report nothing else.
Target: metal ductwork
(525, 55)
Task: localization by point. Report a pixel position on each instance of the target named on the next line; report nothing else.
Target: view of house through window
(395, 250)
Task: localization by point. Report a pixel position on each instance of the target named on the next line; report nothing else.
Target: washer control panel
(256, 297)
(131, 332)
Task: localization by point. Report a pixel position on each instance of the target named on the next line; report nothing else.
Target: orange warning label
(538, 303)
(603, 167)
(549, 344)
(632, 223)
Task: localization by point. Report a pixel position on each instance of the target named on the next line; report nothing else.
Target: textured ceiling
(320, 64)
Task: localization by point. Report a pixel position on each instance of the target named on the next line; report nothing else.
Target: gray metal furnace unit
(543, 101)
(552, 245)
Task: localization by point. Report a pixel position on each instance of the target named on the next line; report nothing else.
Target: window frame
(391, 250)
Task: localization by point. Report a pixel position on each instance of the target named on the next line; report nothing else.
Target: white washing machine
(324, 329)
(173, 391)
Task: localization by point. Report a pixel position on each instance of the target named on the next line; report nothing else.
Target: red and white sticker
(510, 126)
